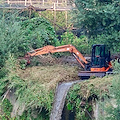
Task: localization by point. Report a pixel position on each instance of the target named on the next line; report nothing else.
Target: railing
(39, 2)
(61, 5)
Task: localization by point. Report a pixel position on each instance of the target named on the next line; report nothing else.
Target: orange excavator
(100, 60)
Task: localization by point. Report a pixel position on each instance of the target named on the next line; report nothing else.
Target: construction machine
(100, 60)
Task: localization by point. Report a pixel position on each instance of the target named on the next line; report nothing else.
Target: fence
(41, 3)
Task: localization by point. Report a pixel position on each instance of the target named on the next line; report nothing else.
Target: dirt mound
(47, 60)
(52, 60)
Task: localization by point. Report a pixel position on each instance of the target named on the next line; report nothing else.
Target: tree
(18, 36)
(38, 32)
(99, 17)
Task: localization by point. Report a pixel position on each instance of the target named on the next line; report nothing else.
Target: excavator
(99, 66)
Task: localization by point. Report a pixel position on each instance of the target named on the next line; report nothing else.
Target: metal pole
(43, 2)
(25, 2)
(55, 15)
(57, 3)
(66, 18)
(8, 1)
(30, 2)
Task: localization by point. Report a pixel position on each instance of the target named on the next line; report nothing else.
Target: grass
(97, 86)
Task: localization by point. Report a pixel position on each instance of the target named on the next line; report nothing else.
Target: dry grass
(49, 76)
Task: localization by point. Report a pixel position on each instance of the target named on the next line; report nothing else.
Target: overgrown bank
(34, 90)
(96, 98)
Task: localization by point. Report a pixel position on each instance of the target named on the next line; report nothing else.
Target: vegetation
(24, 36)
(100, 21)
(35, 85)
(83, 96)
(111, 105)
(60, 19)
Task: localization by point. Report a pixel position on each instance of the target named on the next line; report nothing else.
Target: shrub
(80, 43)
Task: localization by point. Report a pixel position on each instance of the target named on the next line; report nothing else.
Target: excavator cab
(100, 62)
(100, 58)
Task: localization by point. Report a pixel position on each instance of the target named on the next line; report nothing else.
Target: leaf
(69, 107)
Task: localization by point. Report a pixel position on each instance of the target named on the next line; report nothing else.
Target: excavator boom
(64, 48)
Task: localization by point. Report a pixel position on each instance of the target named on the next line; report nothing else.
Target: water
(59, 100)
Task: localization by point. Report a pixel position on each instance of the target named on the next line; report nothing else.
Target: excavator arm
(64, 48)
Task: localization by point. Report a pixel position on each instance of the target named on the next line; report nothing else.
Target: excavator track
(88, 74)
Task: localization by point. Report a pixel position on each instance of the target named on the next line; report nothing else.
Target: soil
(52, 60)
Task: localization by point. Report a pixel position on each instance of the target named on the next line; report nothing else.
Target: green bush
(80, 43)
(24, 36)
(111, 40)
(38, 32)
(111, 104)
(32, 93)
